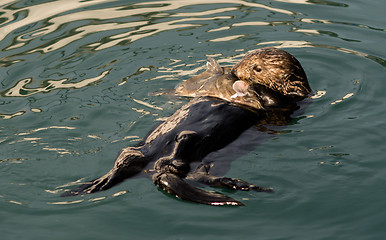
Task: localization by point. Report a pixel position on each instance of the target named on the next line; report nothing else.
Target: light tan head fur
(274, 68)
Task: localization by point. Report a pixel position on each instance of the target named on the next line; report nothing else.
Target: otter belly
(263, 88)
(200, 127)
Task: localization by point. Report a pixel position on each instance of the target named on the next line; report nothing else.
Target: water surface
(75, 82)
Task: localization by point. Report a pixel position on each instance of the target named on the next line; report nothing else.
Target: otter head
(271, 72)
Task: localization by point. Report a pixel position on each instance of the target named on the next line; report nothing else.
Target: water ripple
(75, 78)
(55, 15)
(305, 44)
(21, 88)
(315, 2)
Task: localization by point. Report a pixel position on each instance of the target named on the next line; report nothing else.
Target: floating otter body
(262, 88)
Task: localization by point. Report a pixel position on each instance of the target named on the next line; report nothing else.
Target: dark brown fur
(214, 118)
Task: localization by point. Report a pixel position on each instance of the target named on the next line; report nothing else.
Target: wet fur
(208, 123)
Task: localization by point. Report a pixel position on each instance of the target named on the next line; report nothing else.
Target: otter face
(275, 69)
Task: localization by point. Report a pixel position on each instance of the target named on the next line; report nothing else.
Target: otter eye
(257, 68)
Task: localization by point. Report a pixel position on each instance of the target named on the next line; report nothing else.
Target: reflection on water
(75, 78)
(46, 128)
(42, 20)
(96, 199)
(304, 44)
(11, 115)
(319, 2)
(36, 30)
(21, 89)
(54, 16)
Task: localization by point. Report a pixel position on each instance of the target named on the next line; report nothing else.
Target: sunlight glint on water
(81, 79)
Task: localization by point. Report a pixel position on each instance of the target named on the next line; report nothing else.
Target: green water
(75, 82)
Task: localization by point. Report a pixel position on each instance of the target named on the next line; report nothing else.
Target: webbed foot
(129, 162)
(99, 184)
(178, 187)
(202, 175)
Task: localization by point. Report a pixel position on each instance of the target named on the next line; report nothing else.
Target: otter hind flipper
(80, 190)
(129, 162)
(178, 187)
(103, 183)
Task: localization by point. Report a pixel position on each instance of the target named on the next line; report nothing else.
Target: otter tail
(178, 187)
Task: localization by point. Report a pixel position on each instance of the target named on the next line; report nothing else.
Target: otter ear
(213, 66)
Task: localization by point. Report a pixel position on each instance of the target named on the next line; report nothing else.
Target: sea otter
(263, 88)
